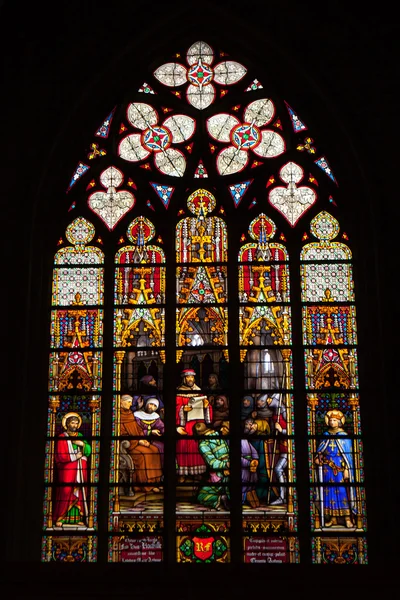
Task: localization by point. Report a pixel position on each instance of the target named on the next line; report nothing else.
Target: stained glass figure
(70, 506)
(111, 206)
(200, 74)
(293, 200)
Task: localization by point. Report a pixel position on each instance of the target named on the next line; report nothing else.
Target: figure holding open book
(191, 407)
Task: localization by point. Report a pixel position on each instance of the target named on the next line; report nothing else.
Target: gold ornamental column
(54, 404)
(313, 403)
(119, 357)
(94, 404)
(286, 353)
(354, 403)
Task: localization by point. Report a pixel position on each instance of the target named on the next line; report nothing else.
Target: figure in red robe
(71, 459)
(188, 457)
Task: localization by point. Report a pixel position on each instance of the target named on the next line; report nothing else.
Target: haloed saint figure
(335, 467)
(71, 459)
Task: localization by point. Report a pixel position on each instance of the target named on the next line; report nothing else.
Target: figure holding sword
(280, 447)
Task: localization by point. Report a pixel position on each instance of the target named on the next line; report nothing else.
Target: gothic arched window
(192, 319)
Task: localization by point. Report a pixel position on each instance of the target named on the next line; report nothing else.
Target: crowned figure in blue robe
(335, 496)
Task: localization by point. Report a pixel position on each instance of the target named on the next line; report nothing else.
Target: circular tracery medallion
(245, 136)
(157, 138)
(200, 74)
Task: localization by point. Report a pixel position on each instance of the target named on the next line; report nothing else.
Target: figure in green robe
(215, 452)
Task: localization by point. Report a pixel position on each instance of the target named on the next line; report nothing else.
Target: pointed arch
(248, 144)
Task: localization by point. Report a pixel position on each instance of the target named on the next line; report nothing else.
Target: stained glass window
(74, 405)
(267, 404)
(200, 341)
(137, 454)
(203, 392)
(331, 362)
